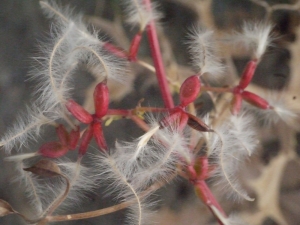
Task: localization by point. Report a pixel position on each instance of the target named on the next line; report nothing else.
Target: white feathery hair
(282, 110)
(255, 36)
(229, 146)
(157, 161)
(118, 183)
(71, 44)
(26, 128)
(41, 192)
(138, 14)
(203, 50)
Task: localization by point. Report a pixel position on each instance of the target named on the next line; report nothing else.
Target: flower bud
(189, 90)
(79, 112)
(101, 99)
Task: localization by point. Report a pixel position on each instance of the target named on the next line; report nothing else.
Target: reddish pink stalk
(134, 47)
(158, 62)
(248, 74)
(204, 193)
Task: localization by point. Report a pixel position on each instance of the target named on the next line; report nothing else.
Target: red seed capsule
(53, 150)
(74, 138)
(85, 140)
(189, 90)
(255, 100)
(79, 112)
(247, 74)
(101, 99)
(62, 134)
(99, 136)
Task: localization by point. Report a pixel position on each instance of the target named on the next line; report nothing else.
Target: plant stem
(130, 112)
(205, 194)
(216, 89)
(158, 62)
(108, 210)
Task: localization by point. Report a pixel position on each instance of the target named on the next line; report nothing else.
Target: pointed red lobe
(134, 47)
(101, 99)
(189, 90)
(248, 74)
(53, 150)
(99, 136)
(62, 134)
(79, 112)
(74, 138)
(255, 100)
(85, 140)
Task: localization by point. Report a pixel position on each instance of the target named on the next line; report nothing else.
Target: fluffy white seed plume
(282, 110)
(138, 14)
(229, 146)
(118, 182)
(159, 156)
(42, 192)
(30, 185)
(26, 128)
(255, 36)
(81, 181)
(203, 49)
(71, 45)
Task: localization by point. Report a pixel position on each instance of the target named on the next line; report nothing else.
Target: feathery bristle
(138, 14)
(233, 141)
(203, 50)
(255, 36)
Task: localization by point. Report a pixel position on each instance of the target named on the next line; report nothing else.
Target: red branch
(158, 62)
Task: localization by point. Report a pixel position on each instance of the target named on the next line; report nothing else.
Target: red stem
(158, 62)
(130, 112)
(208, 198)
(216, 89)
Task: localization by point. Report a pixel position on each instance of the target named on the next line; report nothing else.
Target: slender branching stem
(111, 209)
(158, 62)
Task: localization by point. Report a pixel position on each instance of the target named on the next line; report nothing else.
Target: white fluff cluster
(27, 127)
(233, 141)
(203, 49)
(281, 109)
(138, 14)
(254, 36)
(42, 191)
(130, 170)
(71, 45)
